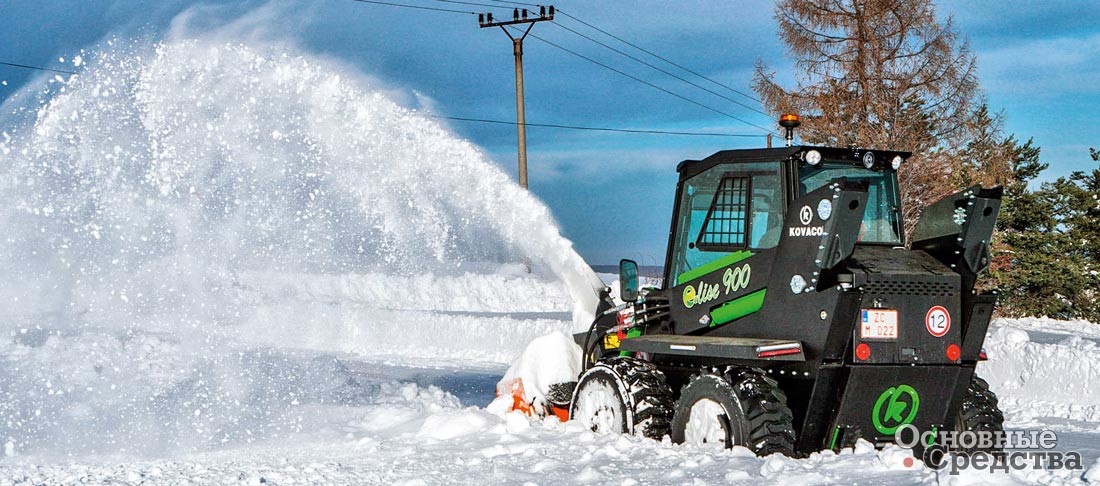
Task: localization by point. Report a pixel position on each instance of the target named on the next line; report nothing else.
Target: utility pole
(486, 20)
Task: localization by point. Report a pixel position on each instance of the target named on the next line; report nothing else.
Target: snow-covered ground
(308, 416)
(227, 265)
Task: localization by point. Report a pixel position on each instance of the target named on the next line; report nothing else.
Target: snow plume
(151, 195)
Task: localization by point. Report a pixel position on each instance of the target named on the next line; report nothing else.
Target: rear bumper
(878, 400)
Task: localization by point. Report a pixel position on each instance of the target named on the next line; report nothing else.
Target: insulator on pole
(515, 14)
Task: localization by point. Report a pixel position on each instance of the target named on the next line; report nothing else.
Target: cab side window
(726, 209)
(726, 225)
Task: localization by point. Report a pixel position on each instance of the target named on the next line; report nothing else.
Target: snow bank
(1044, 368)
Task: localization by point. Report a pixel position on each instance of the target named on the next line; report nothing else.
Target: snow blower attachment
(792, 317)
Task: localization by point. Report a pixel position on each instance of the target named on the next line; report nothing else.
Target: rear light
(863, 351)
(953, 352)
(982, 356)
(778, 350)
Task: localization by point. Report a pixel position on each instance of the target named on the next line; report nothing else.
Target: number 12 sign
(937, 321)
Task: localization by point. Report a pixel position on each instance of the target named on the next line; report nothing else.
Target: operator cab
(735, 200)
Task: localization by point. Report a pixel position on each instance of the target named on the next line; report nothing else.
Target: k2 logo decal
(805, 215)
(887, 415)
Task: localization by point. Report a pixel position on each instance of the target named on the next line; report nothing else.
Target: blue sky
(611, 193)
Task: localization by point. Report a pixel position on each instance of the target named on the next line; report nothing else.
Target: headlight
(896, 162)
(869, 160)
(798, 284)
(824, 209)
(812, 157)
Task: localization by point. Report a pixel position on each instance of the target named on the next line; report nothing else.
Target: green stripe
(832, 443)
(712, 266)
(737, 308)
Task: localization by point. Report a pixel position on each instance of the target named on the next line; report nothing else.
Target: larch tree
(885, 74)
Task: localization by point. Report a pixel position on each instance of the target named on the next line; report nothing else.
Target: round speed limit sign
(938, 321)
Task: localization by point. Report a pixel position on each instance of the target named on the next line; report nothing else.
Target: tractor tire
(979, 412)
(623, 395)
(741, 407)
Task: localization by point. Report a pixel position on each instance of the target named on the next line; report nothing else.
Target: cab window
(728, 208)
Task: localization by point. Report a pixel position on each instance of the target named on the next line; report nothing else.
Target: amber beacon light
(789, 121)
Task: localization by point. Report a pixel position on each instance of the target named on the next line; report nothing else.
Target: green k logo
(892, 411)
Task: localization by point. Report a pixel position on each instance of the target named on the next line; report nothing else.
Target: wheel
(623, 395)
(979, 411)
(739, 407)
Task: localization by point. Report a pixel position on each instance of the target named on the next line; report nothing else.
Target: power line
(418, 7)
(654, 86)
(600, 129)
(624, 41)
(475, 4)
(519, 3)
(708, 90)
(36, 68)
(605, 66)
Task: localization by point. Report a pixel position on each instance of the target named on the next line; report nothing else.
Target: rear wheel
(979, 411)
(623, 395)
(738, 407)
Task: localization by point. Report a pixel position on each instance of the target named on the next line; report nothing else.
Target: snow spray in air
(144, 194)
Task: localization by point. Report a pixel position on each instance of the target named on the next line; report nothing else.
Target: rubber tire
(756, 409)
(979, 412)
(646, 406)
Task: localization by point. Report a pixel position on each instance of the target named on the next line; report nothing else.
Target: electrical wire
(600, 129)
(605, 66)
(475, 4)
(654, 86)
(418, 7)
(651, 53)
(520, 3)
(708, 90)
(36, 68)
(620, 52)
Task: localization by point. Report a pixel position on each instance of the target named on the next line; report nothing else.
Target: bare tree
(879, 74)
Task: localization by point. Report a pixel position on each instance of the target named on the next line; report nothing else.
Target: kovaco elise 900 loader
(792, 317)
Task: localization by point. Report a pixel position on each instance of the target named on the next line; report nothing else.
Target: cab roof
(690, 168)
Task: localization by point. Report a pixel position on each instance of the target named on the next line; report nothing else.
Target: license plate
(878, 324)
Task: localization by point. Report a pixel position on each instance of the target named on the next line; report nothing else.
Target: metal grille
(725, 226)
(895, 287)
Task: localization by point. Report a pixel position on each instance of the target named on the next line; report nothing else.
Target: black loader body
(794, 264)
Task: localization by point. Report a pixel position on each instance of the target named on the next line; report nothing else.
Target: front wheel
(623, 395)
(739, 407)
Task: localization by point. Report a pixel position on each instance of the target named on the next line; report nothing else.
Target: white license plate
(878, 324)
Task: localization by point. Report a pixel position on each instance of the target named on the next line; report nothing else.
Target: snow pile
(549, 360)
(1037, 369)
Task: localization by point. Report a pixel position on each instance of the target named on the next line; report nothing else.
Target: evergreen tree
(1045, 259)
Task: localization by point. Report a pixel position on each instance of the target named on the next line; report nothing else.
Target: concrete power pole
(486, 20)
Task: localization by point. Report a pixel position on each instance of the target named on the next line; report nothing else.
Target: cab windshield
(881, 219)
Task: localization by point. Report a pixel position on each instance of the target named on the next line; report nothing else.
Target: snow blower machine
(792, 316)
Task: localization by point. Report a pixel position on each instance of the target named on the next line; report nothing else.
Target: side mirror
(628, 280)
